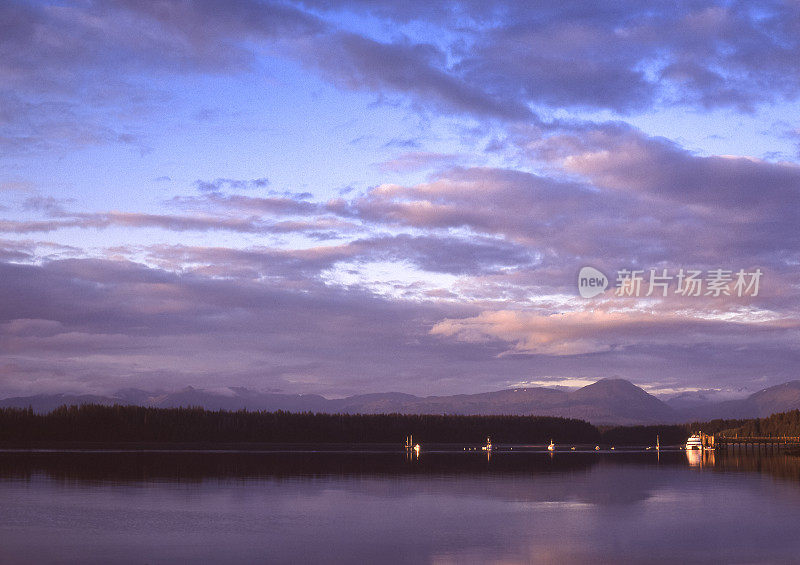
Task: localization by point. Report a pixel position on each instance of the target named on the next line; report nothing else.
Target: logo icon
(591, 282)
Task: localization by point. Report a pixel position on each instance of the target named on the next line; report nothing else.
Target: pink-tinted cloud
(603, 330)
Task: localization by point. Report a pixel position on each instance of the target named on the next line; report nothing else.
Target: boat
(658, 444)
(552, 446)
(597, 448)
(488, 446)
(694, 442)
(411, 447)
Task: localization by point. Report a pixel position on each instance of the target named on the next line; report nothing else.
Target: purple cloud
(436, 254)
(461, 280)
(217, 185)
(500, 59)
(99, 325)
(361, 63)
(626, 56)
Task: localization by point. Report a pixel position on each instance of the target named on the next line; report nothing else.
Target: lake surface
(383, 507)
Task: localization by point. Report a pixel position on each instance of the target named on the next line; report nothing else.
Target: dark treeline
(717, 426)
(138, 424)
(95, 423)
(783, 424)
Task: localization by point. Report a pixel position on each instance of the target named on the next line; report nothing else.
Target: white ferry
(694, 442)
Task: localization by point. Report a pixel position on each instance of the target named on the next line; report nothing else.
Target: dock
(710, 442)
(755, 442)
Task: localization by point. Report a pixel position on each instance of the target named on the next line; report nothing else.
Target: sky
(355, 197)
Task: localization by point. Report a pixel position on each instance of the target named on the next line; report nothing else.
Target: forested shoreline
(96, 423)
(782, 424)
(136, 424)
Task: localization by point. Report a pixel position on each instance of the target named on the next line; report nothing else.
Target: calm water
(383, 508)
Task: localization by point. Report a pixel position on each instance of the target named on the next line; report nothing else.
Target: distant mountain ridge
(779, 398)
(608, 401)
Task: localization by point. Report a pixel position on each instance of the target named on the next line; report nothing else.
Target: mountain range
(608, 401)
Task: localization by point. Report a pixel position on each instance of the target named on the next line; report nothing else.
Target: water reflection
(567, 507)
(134, 466)
(776, 465)
(700, 457)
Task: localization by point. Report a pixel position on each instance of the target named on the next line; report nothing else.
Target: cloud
(280, 205)
(16, 251)
(639, 202)
(46, 125)
(442, 254)
(561, 64)
(622, 158)
(112, 322)
(54, 57)
(417, 69)
(499, 60)
(627, 56)
(559, 220)
(97, 325)
(218, 185)
(739, 205)
(136, 220)
(602, 330)
(508, 239)
(174, 222)
(48, 204)
(55, 46)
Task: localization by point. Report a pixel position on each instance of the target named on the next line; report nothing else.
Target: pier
(754, 442)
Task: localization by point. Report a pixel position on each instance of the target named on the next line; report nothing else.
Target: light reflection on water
(382, 507)
(700, 458)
